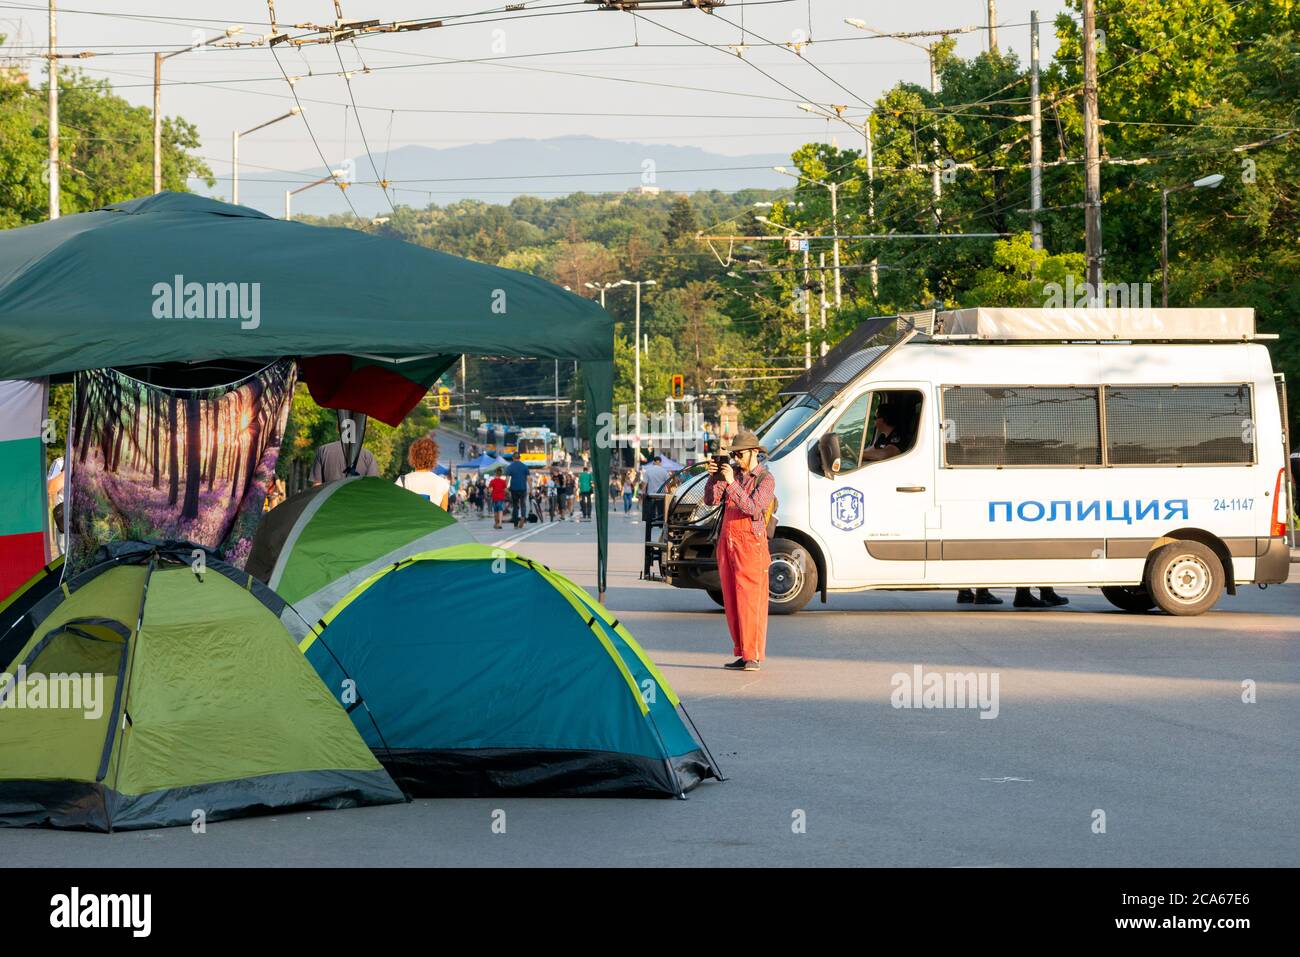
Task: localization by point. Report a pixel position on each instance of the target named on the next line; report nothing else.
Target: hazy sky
(554, 58)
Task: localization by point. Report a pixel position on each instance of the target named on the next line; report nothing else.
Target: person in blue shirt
(517, 473)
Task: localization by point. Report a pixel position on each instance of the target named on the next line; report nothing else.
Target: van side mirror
(828, 448)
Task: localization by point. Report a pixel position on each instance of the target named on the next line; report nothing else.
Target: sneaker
(750, 666)
(965, 596)
(985, 597)
(1025, 599)
(737, 665)
(1050, 597)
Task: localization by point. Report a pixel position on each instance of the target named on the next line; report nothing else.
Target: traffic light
(679, 386)
(444, 399)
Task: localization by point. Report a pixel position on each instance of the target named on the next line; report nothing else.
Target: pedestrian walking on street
(498, 488)
(627, 493)
(746, 490)
(561, 493)
(584, 492)
(517, 472)
(654, 475)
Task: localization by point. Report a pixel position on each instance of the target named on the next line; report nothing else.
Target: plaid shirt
(750, 494)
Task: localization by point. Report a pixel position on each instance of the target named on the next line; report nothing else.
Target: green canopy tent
(176, 278)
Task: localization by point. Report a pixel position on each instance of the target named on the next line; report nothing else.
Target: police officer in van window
(889, 439)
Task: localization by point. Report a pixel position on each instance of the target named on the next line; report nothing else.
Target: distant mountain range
(498, 172)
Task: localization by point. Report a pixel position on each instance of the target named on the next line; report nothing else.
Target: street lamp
(335, 176)
(935, 189)
(234, 150)
(602, 287)
(807, 283)
(157, 97)
(1205, 182)
(865, 130)
(835, 221)
(638, 283)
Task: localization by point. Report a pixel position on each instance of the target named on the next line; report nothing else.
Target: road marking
(508, 542)
(1006, 780)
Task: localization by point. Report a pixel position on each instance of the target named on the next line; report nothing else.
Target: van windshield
(787, 422)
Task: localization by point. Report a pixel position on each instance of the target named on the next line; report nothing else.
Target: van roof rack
(1097, 325)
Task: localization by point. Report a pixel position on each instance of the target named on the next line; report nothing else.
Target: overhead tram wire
(307, 123)
(374, 168)
(1060, 94)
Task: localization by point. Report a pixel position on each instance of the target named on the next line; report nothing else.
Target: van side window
(1021, 425)
(852, 430)
(878, 426)
(1180, 425)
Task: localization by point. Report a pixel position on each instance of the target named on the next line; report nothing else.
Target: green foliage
(105, 149)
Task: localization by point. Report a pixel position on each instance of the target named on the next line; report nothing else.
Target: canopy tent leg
(598, 385)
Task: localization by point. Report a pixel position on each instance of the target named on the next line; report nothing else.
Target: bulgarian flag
(22, 482)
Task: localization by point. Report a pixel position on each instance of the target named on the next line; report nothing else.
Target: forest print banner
(193, 465)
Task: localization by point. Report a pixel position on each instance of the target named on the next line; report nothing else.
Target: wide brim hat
(745, 439)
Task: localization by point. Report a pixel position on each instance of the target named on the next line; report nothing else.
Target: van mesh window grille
(1038, 425)
(1179, 425)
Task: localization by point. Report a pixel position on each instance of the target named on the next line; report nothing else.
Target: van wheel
(1184, 578)
(791, 577)
(1129, 597)
(717, 597)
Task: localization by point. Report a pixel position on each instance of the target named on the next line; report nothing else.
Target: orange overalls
(743, 560)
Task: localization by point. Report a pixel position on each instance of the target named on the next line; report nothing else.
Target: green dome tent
(145, 691)
(317, 546)
(484, 673)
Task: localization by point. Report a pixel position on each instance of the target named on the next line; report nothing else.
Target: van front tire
(1184, 578)
(791, 576)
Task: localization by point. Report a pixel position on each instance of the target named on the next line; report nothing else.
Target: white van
(1142, 451)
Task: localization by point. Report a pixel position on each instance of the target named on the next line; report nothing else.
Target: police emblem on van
(846, 509)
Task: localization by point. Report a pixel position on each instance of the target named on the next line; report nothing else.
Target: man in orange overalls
(745, 489)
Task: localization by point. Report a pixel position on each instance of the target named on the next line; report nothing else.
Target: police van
(1142, 451)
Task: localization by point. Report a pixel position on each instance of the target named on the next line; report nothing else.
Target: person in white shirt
(422, 479)
(654, 476)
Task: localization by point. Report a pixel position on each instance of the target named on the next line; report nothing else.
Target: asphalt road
(1140, 718)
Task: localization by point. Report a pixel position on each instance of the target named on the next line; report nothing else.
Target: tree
(105, 149)
(682, 221)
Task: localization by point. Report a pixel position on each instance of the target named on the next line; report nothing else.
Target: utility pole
(871, 208)
(464, 399)
(821, 277)
(807, 311)
(157, 123)
(637, 340)
(1035, 133)
(835, 228)
(1092, 163)
(557, 394)
(54, 117)
(935, 186)
(993, 26)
